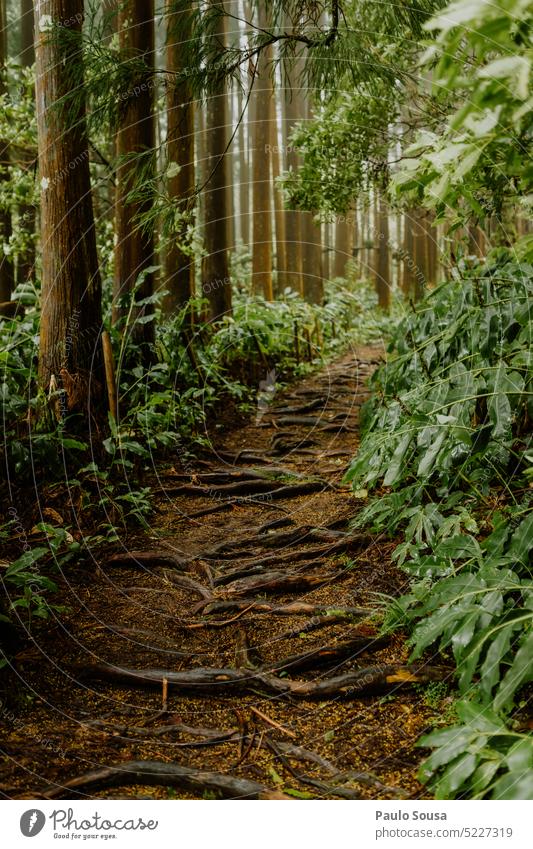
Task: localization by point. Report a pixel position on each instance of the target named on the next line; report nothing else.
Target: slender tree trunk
(27, 214)
(344, 234)
(7, 276)
(293, 228)
(381, 242)
(244, 177)
(134, 252)
(262, 199)
(312, 268)
(216, 284)
(279, 210)
(71, 319)
(408, 257)
(420, 254)
(179, 267)
(355, 255)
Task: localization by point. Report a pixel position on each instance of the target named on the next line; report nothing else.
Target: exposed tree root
(158, 773)
(330, 654)
(352, 684)
(279, 582)
(292, 608)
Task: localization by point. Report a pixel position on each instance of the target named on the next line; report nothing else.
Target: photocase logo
(32, 822)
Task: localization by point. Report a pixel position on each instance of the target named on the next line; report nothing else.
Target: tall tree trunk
(420, 254)
(356, 236)
(279, 210)
(407, 254)
(134, 251)
(344, 234)
(262, 200)
(179, 267)
(381, 243)
(7, 277)
(244, 177)
(27, 50)
(71, 315)
(27, 213)
(216, 284)
(312, 269)
(293, 229)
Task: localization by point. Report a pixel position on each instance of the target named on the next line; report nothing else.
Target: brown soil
(69, 720)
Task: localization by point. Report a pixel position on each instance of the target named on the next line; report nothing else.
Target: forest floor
(235, 646)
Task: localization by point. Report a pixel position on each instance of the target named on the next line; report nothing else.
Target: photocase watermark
(137, 89)
(18, 724)
(213, 285)
(47, 182)
(32, 822)
(19, 529)
(65, 824)
(265, 395)
(281, 148)
(47, 22)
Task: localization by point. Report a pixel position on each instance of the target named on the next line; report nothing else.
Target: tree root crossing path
(235, 649)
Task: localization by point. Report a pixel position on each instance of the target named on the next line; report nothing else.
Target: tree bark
(179, 267)
(420, 253)
(135, 141)
(7, 276)
(27, 213)
(408, 260)
(71, 319)
(244, 177)
(279, 211)
(262, 199)
(312, 270)
(381, 245)
(293, 229)
(216, 284)
(344, 234)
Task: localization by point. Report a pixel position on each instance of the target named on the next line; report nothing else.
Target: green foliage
(480, 158)
(26, 580)
(454, 401)
(447, 437)
(478, 758)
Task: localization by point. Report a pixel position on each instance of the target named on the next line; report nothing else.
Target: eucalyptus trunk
(71, 319)
(381, 249)
(135, 140)
(262, 198)
(216, 284)
(7, 275)
(179, 266)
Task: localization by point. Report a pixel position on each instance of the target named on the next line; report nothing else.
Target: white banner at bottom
(265, 825)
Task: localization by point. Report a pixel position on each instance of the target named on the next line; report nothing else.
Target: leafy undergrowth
(447, 439)
(199, 374)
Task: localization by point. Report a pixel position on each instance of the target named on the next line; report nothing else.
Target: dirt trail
(234, 649)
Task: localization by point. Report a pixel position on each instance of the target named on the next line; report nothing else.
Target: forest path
(234, 649)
